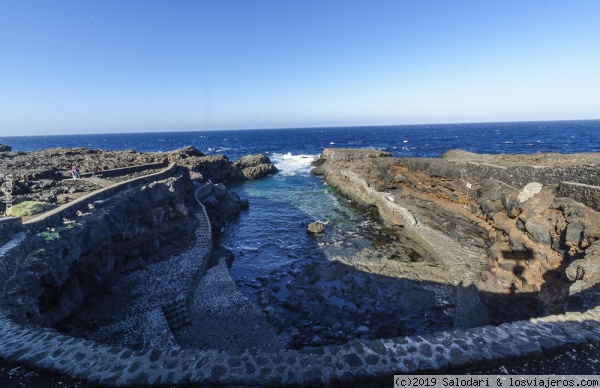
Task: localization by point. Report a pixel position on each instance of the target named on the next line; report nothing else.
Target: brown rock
(315, 227)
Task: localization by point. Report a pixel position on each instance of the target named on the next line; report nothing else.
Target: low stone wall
(586, 194)
(360, 360)
(70, 209)
(517, 176)
(126, 170)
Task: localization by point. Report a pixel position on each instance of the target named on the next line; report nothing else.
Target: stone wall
(82, 204)
(519, 176)
(586, 194)
(126, 170)
(356, 361)
(581, 182)
(516, 176)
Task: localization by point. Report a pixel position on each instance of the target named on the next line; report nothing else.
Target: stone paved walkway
(224, 319)
(99, 181)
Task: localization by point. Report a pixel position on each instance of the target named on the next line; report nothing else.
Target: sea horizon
(161, 131)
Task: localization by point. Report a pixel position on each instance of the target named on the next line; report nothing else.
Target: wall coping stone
(125, 170)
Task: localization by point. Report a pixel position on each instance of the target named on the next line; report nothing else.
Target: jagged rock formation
(222, 205)
(255, 166)
(520, 243)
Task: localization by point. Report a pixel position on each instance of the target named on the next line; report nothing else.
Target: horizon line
(290, 128)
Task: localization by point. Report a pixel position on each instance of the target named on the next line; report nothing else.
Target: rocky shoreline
(537, 244)
(45, 175)
(471, 240)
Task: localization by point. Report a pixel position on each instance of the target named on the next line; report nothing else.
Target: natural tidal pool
(359, 279)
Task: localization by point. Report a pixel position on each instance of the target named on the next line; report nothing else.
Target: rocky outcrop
(222, 205)
(5, 148)
(522, 244)
(44, 175)
(255, 166)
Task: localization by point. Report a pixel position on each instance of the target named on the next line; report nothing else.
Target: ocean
(400, 140)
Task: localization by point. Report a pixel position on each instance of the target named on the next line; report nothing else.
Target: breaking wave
(289, 164)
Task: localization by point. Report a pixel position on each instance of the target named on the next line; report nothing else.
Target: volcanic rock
(518, 242)
(315, 227)
(255, 166)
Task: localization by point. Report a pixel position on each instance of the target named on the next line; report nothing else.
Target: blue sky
(118, 66)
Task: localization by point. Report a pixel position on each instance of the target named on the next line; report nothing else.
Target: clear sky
(140, 65)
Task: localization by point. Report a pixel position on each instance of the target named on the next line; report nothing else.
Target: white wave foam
(289, 164)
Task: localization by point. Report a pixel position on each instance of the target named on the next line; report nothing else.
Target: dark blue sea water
(407, 140)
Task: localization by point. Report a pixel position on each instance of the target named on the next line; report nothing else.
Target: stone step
(146, 330)
(177, 315)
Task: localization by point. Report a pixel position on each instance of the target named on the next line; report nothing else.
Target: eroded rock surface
(519, 245)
